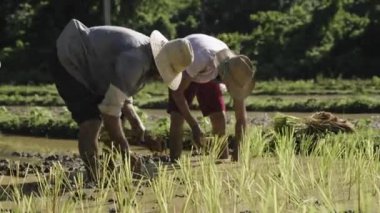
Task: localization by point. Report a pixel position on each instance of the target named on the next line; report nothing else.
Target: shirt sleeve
(113, 101)
(125, 82)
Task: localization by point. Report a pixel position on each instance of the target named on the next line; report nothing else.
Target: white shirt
(205, 47)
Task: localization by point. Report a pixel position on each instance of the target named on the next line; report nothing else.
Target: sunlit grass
(154, 94)
(341, 173)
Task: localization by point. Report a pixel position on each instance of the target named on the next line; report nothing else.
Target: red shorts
(209, 96)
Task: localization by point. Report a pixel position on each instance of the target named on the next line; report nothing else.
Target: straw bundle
(314, 127)
(327, 122)
(317, 124)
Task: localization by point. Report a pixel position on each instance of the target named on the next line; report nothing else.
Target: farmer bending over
(105, 66)
(212, 60)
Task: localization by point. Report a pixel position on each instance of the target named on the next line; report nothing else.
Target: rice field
(340, 174)
(334, 95)
(278, 171)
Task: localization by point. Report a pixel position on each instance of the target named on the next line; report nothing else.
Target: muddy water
(158, 113)
(11, 143)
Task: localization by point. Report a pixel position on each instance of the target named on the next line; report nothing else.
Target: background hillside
(287, 39)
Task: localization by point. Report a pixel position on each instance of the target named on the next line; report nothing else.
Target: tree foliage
(286, 38)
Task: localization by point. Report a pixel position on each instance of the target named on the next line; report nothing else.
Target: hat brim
(174, 84)
(240, 93)
(222, 55)
(236, 91)
(157, 41)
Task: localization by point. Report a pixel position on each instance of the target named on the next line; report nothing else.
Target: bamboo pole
(107, 12)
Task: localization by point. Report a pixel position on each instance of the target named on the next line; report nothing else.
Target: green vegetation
(348, 104)
(319, 86)
(280, 169)
(57, 123)
(38, 122)
(349, 96)
(339, 175)
(42, 122)
(289, 39)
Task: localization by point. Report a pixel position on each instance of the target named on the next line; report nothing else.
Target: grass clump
(339, 174)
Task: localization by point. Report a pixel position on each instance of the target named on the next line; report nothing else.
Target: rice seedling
(302, 173)
(125, 188)
(163, 188)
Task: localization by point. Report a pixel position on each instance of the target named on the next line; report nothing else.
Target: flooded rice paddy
(11, 143)
(42, 153)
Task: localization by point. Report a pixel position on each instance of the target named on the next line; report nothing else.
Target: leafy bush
(287, 39)
(39, 122)
(308, 39)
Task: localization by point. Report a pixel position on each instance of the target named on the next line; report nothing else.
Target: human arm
(112, 125)
(240, 126)
(133, 118)
(181, 102)
(110, 109)
(124, 81)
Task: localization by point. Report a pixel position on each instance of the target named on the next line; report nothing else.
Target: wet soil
(25, 164)
(22, 163)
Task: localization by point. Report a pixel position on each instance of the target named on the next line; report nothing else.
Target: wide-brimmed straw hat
(237, 71)
(171, 57)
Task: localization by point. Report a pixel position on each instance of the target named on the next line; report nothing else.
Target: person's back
(202, 69)
(107, 42)
(93, 55)
(202, 41)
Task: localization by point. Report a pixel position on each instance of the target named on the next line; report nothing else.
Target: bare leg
(176, 134)
(88, 145)
(218, 122)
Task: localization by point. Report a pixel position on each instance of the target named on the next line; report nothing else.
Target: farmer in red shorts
(212, 60)
(104, 67)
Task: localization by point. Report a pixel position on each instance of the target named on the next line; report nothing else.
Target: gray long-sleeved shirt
(109, 60)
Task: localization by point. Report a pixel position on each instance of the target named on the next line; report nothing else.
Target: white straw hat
(171, 57)
(238, 70)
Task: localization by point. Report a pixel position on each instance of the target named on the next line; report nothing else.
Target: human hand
(154, 143)
(135, 163)
(138, 135)
(197, 135)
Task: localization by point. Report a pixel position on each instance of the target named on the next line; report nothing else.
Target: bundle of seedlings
(314, 127)
(321, 122)
(317, 123)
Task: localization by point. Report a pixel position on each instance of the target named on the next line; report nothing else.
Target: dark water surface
(14, 143)
(11, 143)
(252, 115)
